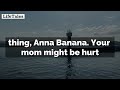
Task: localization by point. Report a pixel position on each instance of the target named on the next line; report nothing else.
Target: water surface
(59, 68)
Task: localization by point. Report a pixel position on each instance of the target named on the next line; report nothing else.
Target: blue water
(59, 68)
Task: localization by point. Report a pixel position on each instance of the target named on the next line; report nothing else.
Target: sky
(56, 23)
